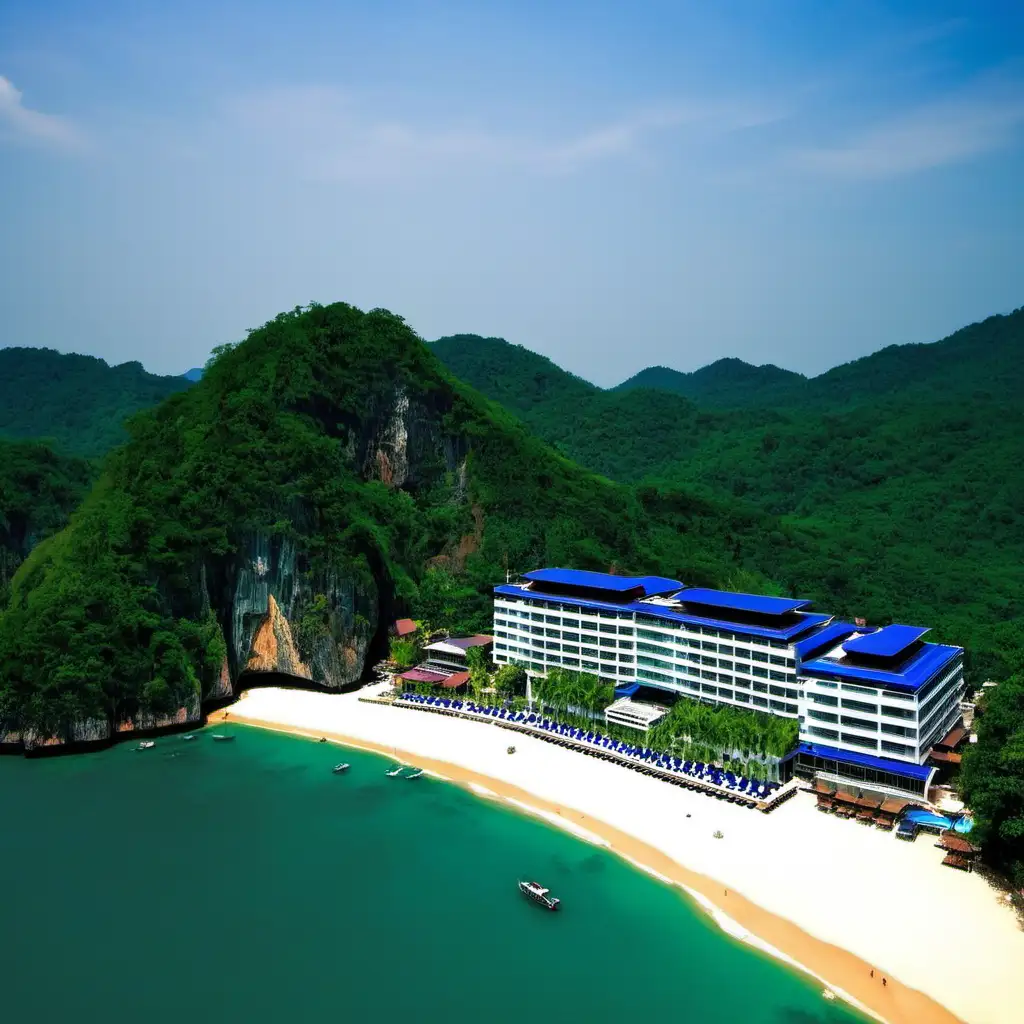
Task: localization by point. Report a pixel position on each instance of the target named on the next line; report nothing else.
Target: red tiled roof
(422, 675)
(944, 757)
(403, 627)
(953, 738)
(458, 679)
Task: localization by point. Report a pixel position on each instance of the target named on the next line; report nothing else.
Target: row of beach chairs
(727, 783)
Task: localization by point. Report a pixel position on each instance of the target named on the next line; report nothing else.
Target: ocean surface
(203, 881)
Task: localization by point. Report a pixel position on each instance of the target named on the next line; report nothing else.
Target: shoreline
(838, 970)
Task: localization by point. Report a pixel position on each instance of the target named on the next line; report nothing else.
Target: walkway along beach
(836, 898)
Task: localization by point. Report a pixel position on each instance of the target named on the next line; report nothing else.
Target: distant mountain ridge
(80, 402)
(725, 383)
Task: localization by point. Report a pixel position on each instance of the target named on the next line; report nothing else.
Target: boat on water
(146, 745)
(219, 737)
(416, 774)
(339, 768)
(189, 736)
(395, 771)
(536, 892)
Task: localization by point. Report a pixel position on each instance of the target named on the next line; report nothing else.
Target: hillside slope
(906, 461)
(324, 475)
(79, 402)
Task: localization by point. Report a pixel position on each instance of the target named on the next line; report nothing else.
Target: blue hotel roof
(755, 604)
(886, 642)
(910, 675)
(806, 622)
(824, 639)
(884, 764)
(650, 585)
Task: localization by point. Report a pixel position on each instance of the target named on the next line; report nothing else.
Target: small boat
(395, 771)
(146, 745)
(416, 774)
(219, 737)
(536, 892)
(189, 736)
(339, 768)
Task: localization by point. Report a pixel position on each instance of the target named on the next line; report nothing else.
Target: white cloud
(334, 137)
(24, 124)
(947, 132)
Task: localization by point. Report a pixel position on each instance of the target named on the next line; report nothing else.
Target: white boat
(395, 771)
(189, 736)
(219, 737)
(339, 768)
(146, 745)
(536, 892)
(416, 774)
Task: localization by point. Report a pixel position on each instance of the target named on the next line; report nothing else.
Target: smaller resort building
(446, 663)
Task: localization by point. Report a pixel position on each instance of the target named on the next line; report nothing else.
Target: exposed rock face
(273, 649)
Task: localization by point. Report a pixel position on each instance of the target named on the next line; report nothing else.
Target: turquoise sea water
(245, 882)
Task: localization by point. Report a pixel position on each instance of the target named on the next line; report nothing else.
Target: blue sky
(614, 185)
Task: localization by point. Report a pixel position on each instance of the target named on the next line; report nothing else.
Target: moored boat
(536, 892)
(219, 737)
(189, 736)
(339, 768)
(416, 774)
(395, 771)
(146, 745)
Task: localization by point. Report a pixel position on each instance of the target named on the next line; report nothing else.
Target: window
(825, 734)
(589, 652)
(654, 663)
(626, 630)
(537, 617)
(828, 686)
(724, 693)
(605, 627)
(743, 698)
(761, 673)
(707, 660)
(860, 723)
(591, 665)
(824, 698)
(575, 637)
(723, 649)
(575, 623)
(644, 673)
(708, 688)
(822, 716)
(554, 659)
(761, 702)
(898, 730)
(777, 660)
(727, 665)
(606, 641)
(625, 657)
(760, 687)
(665, 652)
(897, 712)
(860, 705)
(780, 677)
(758, 656)
(572, 662)
(706, 645)
(850, 688)
(553, 632)
(626, 645)
(897, 748)
(777, 691)
(570, 649)
(859, 741)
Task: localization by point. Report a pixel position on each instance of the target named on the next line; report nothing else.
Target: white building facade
(864, 716)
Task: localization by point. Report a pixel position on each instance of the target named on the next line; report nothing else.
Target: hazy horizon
(665, 185)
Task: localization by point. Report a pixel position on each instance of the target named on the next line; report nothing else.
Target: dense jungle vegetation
(904, 467)
(78, 402)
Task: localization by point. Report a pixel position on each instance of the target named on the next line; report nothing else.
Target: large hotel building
(870, 702)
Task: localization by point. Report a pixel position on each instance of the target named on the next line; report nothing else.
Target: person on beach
(872, 972)
(884, 983)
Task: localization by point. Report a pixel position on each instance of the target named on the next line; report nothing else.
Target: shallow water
(244, 882)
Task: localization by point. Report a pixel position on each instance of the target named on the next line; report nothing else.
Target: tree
(404, 653)
(510, 680)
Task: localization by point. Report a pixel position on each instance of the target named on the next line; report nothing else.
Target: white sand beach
(858, 898)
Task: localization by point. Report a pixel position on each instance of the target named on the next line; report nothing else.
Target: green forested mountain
(905, 466)
(38, 491)
(79, 402)
(324, 475)
(723, 384)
